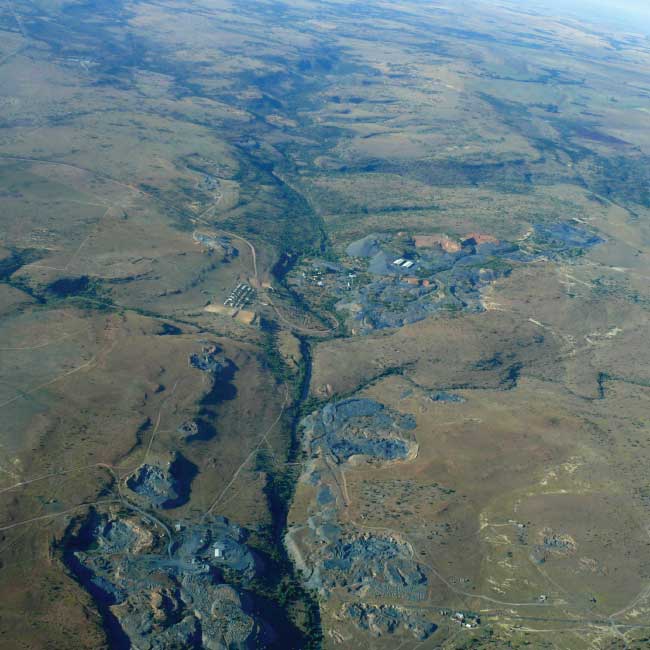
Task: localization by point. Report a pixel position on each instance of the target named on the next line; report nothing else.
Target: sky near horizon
(633, 15)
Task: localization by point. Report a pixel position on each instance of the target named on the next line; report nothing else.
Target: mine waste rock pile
(210, 359)
(444, 396)
(380, 620)
(336, 559)
(157, 484)
(552, 544)
(215, 242)
(370, 565)
(165, 484)
(391, 281)
(562, 239)
(360, 429)
(158, 591)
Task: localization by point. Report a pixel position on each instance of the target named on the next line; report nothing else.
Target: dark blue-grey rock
(365, 247)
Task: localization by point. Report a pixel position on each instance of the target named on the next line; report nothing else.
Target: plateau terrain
(324, 324)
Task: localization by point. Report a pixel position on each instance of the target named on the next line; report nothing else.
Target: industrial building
(403, 262)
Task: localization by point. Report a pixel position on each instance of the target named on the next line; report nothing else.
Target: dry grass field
(159, 157)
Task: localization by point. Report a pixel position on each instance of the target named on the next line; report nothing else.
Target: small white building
(408, 264)
(218, 552)
(399, 261)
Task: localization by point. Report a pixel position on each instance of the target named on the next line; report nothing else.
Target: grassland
(293, 130)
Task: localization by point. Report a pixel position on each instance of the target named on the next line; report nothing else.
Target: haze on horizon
(619, 14)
